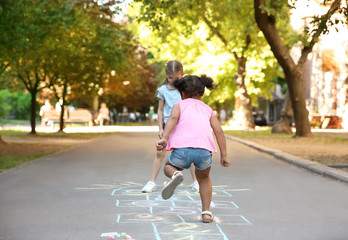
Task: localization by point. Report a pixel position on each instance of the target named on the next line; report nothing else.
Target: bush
(17, 104)
(4, 103)
(20, 105)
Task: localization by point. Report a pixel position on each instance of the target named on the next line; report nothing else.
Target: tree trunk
(294, 82)
(242, 113)
(293, 72)
(283, 124)
(33, 87)
(61, 121)
(64, 93)
(33, 93)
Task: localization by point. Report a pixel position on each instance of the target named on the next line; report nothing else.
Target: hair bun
(207, 81)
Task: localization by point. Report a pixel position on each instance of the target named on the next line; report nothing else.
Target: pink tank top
(193, 128)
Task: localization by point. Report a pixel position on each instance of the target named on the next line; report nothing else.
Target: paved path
(94, 189)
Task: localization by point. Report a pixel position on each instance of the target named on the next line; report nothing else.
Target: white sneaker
(170, 187)
(195, 186)
(149, 187)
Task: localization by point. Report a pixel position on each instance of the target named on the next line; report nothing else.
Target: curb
(300, 162)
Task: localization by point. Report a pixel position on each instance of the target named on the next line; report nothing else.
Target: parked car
(260, 119)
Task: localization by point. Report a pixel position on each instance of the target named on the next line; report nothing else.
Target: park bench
(80, 115)
(74, 116)
(326, 121)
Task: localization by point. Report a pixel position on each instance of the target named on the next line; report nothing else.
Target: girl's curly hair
(194, 86)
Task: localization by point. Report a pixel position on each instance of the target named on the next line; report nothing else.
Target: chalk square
(124, 195)
(187, 229)
(142, 203)
(187, 203)
(180, 211)
(231, 219)
(197, 236)
(224, 204)
(147, 218)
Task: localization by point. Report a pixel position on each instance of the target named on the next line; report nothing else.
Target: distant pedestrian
(223, 116)
(188, 134)
(104, 114)
(59, 105)
(46, 107)
(132, 117)
(151, 113)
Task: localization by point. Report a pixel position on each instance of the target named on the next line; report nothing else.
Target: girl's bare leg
(205, 189)
(193, 172)
(157, 163)
(169, 169)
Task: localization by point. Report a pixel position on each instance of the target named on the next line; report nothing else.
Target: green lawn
(266, 133)
(9, 153)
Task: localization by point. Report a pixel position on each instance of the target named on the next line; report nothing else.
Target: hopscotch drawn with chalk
(176, 218)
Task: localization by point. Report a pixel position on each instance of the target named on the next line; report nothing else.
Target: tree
(62, 45)
(31, 25)
(82, 50)
(266, 13)
(230, 22)
(135, 86)
(7, 38)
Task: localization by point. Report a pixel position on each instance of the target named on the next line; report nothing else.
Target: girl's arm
(221, 140)
(160, 117)
(170, 125)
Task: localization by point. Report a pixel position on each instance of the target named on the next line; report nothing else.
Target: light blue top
(170, 97)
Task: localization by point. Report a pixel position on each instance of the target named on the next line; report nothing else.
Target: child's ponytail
(208, 82)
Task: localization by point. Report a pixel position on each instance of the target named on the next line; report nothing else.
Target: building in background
(325, 74)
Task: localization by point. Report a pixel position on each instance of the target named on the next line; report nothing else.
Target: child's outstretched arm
(221, 140)
(170, 125)
(160, 117)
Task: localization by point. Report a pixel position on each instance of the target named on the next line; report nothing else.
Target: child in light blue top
(170, 97)
(167, 95)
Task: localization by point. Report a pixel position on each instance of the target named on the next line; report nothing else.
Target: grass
(267, 134)
(10, 161)
(325, 148)
(331, 139)
(12, 121)
(45, 135)
(16, 154)
(242, 133)
(56, 124)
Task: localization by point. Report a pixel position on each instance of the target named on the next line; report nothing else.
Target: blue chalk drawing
(176, 218)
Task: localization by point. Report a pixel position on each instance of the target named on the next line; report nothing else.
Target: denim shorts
(184, 157)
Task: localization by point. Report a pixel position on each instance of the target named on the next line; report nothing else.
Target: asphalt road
(93, 191)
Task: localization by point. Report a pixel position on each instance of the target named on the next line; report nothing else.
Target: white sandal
(169, 189)
(207, 220)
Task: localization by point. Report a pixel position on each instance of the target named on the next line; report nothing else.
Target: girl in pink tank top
(188, 133)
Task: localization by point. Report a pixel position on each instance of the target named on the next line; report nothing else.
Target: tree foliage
(4, 105)
(68, 46)
(223, 29)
